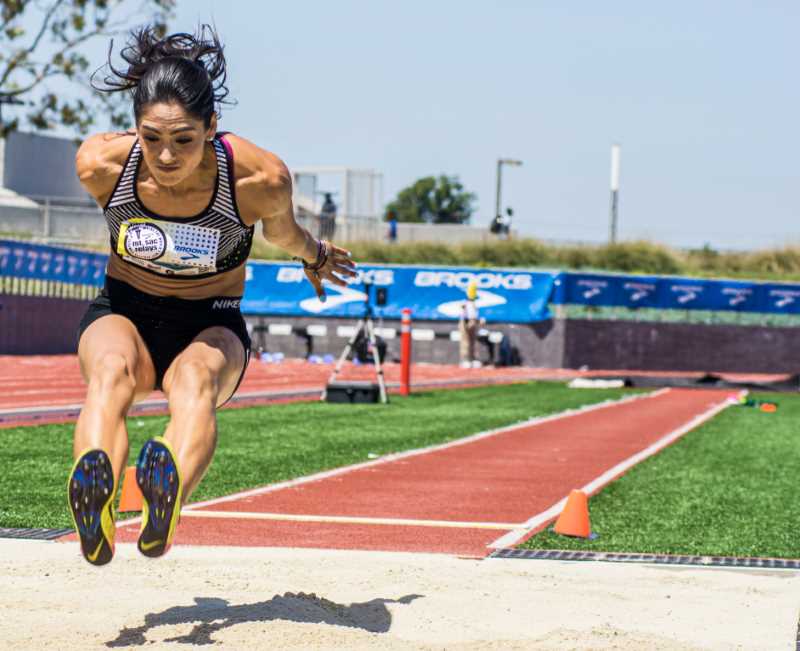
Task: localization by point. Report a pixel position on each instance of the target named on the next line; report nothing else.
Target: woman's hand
(332, 264)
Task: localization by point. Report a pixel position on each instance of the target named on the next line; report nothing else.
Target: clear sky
(703, 97)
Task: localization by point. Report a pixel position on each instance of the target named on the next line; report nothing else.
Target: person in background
(468, 328)
(391, 233)
(327, 217)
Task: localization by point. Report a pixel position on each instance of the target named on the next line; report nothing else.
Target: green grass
(727, 488)
(262, 445)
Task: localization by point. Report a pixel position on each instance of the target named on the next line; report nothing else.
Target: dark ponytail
(183, 68)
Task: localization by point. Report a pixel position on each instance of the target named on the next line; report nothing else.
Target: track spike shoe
(90, 493)
(159, 480)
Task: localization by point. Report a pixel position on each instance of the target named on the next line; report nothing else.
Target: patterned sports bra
(215, 241)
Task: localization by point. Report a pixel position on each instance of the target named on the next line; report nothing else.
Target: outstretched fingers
(339, 265)
(336, 265)
(316, 283)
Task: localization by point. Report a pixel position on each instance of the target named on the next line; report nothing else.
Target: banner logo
(785, 297)
(686, 293)
(484, 299)
(639, 291)
(484, 280)
(345, 295)
(737, 295)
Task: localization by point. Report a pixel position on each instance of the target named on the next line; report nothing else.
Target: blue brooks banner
(432, 293)
(665, 292)
(436, 293)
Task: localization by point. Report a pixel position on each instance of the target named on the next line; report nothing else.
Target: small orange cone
(769, 407)
(574, 519)
(131, 498)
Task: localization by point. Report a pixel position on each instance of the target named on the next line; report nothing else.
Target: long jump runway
(465, 497)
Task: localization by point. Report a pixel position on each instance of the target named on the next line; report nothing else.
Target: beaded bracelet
(322, 257)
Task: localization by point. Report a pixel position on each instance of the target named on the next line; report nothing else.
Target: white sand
(306, 599)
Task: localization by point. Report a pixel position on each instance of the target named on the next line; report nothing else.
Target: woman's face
(172, 141)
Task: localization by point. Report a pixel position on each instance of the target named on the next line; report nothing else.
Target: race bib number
(169, 247)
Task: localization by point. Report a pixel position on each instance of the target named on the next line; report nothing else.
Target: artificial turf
(262, 445)
(725, 489)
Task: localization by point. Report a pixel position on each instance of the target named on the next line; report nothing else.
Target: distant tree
(439, 200)
(41, 40)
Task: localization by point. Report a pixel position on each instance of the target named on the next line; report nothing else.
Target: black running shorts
(167, 324)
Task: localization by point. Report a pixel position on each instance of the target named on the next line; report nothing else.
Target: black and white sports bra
(210, 243)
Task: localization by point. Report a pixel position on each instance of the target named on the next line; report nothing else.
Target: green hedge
(632, 257)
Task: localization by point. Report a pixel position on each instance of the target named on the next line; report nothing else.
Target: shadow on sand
(211, 615)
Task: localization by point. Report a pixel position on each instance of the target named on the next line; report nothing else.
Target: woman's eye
(151, 139)
(183, 141)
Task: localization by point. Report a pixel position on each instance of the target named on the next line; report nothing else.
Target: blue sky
(699, 94)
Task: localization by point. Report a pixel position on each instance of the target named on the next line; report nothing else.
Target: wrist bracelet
(322, 257)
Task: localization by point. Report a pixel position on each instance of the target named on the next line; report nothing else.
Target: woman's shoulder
(255, 167)
(263, 182)
(100, 159)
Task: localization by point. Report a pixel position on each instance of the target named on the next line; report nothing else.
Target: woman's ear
(212, 129)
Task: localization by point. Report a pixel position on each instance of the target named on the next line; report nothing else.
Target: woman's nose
(166, 156)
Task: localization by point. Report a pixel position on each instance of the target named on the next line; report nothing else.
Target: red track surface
(507, 477)
(32, 382)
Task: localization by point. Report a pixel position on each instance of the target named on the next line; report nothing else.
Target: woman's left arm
(268, 189)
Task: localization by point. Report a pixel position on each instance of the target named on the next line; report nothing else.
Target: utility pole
(499, 189)
(613, 216)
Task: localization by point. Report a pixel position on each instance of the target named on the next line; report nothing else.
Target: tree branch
(45, 24)
(46, 69)
(22, 54)
(12, 16)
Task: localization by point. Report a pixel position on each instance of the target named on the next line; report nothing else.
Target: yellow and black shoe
(160, 482)
(90, 492)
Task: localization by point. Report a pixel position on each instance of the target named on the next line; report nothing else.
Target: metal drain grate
(661, 559)
(33, 534)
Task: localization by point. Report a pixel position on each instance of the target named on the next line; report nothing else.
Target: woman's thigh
(116, 335)
(218, 349)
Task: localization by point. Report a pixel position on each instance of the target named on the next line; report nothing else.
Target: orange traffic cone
(574, 519)
(131, 498)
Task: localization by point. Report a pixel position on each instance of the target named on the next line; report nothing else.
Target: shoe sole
(90, 494)
(159, 480)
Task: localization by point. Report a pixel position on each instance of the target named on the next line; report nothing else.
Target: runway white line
(291, 517)
(596, 484)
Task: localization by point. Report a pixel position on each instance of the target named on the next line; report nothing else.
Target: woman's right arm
(99, 163)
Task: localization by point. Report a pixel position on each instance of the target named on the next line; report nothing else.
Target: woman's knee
(113, 373)
(194, 379)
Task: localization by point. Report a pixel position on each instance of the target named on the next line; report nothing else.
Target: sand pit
(242, 598)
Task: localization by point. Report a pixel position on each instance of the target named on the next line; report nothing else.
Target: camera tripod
(366, 328)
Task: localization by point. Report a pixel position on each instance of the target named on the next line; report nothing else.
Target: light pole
(613, 216)
(498, 192)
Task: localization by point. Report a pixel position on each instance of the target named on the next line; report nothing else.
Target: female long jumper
(181, 201)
